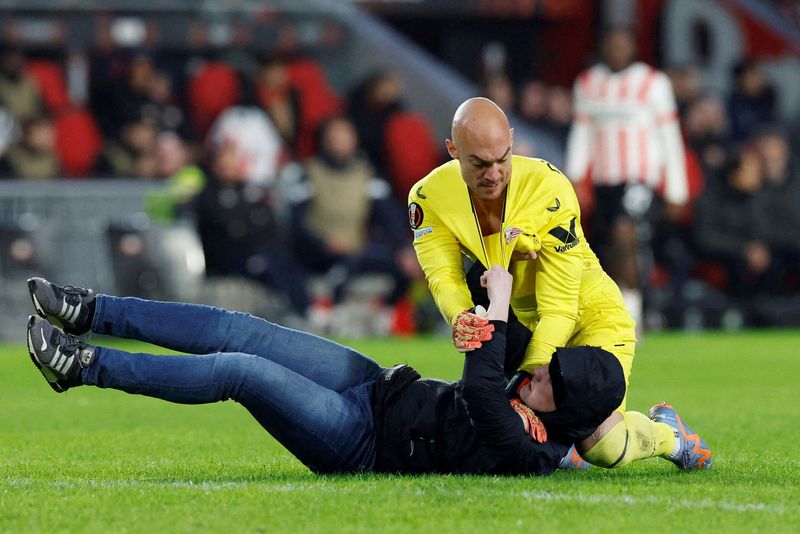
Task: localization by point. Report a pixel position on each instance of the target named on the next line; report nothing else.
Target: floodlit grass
(98, 460)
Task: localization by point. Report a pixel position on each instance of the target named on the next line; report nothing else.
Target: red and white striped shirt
(626, 130)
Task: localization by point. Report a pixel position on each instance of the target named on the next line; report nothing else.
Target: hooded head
(588, 385)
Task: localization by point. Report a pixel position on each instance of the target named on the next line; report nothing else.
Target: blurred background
(257, 155)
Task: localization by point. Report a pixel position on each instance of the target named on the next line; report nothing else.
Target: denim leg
(326, 430)
(200, 329)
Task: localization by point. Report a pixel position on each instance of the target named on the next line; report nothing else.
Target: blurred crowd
(737, 242)
(287, 180)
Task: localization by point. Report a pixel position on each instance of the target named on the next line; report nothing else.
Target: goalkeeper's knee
(635, 437)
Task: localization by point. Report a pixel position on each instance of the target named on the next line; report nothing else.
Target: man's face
(619, 49)
(485, 161)
(538, 394)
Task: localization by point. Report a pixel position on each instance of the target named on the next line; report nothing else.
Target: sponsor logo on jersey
(556, 207)
(568, 237)
(419, 193)
(422, 232)
(415, 215)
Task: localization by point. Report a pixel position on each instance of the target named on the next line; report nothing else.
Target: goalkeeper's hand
(470, 330)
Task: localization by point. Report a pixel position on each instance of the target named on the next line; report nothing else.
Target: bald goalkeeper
(522, 214)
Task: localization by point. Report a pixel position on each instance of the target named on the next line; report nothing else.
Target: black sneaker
(59, 357)
(70, 308)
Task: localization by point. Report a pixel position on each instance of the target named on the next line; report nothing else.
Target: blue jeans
(311, 394)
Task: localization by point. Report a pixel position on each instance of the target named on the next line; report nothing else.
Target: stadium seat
(213, 89)
(78, 141)
(49, 77)
(409, 133)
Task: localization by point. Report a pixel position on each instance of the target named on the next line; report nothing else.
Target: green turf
(95, 460)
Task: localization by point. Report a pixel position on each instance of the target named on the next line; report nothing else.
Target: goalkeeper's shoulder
(542, 186)
(434, 186)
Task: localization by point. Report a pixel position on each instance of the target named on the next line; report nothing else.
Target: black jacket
(468, 426)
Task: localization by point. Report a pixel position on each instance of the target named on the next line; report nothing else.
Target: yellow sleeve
(439, 255)
(558, 278)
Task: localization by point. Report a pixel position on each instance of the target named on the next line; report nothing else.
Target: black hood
(588, 385)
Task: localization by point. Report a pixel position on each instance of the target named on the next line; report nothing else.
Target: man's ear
(451, 148)
(512, 137)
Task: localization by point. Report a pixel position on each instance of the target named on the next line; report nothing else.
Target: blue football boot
(573, 460)
(691, 452)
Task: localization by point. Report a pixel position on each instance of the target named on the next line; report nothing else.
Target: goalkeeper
(522, 214)
(336, 410)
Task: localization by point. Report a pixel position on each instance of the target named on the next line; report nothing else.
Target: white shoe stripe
(64, 307)
(66, 367)
(58, 360)
(74, 314)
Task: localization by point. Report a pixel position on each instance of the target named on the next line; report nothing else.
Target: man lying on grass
(336, 410)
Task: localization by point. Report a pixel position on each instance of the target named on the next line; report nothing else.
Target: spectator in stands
(782, 197)
(532, 103)
(733, 227)
(499, 89)
(279, 99)
(239, 232)
(184, 179)
(133, 154)
(706, 128)
(34, 157)
(256, 139)
(161, 106)
(19, 94)
(686, 86)
(122, 101)
(348, 223)
(371, 104)
(752, 102)
(558, 118)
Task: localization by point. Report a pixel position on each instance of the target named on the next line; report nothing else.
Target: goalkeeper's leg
(625, 437)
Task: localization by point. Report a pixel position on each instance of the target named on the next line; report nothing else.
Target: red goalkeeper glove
(533, 425)
(470, 330)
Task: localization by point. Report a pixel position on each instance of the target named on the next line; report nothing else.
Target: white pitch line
(618, 500)
(628, 500)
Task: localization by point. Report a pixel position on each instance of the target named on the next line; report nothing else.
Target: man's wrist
(498, 310)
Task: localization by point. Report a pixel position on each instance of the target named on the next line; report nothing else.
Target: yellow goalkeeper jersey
(564, 295)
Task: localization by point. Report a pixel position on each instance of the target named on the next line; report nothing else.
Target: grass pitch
(98, 460)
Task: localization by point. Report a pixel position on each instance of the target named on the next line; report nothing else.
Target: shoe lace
(72, 290)
(74, 295)
(76, 347)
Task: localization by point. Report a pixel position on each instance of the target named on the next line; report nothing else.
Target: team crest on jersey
(511, 234)
(415, 215)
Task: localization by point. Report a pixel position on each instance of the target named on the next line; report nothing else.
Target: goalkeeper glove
(533, 425)
(471, 329)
